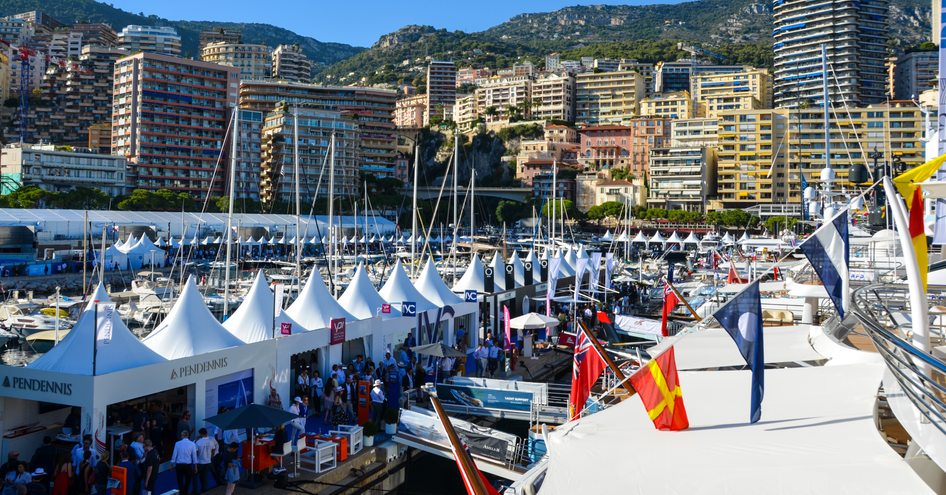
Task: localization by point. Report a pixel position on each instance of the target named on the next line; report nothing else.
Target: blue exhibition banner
(488, 398)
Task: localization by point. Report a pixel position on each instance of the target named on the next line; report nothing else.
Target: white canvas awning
(189, 328)
(399, 288)
(432, 287)
(254, 320)
(362, 300)
(73, 354)
(315, 307)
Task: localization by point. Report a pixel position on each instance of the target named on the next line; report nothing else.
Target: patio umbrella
(532, 321)
(437, 350)
(252, 416)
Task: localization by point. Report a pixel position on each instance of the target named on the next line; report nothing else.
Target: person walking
(150, 467)
(328, 398)
(232, 463)
(206, 449)
(184, 459)
(481, 354)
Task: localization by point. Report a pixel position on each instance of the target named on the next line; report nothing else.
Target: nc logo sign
(409, 308)
(470, 296)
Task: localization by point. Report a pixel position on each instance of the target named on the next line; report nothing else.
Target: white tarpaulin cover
(73, 354)
(714, 348)
(636, 326)
(362, 300)
(399, 288)
(315, 307)
(253, 321)
(817, 435)
(432, 287)
(473, 278)
(189, 328)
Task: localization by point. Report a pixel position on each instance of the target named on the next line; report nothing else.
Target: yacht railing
(883, 311)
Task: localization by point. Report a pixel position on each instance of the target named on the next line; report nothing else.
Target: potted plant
(390, 421)
(370, 430)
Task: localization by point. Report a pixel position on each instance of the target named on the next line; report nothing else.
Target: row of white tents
(674, 238)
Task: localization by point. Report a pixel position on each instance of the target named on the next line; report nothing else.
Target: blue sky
(356, 22)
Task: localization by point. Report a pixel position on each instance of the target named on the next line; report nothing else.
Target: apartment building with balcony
(409, 112)
(290, 63)
(670, 105)
(647, 133)
(62, 168)
(854, 35)
(249, 155)
(316, 128)
(501, 98)
(681, 178)
(607, 98)
(690, 133)
(373, 110)
(605, 147)
(169, 119)
(553, 97)
(441, 89)
(538, 156)
(560, 133)
(217, 36)
(465, 113)
(748, 89)
(253, 61)
(150, 39)
(914, 73)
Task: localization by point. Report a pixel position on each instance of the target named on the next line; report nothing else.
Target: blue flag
(828, 250)
(804, 204)
(742, 319)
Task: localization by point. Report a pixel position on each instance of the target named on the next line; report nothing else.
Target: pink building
(604, 147)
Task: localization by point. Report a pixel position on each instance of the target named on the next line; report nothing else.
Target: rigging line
(847, 110)
(433, 218)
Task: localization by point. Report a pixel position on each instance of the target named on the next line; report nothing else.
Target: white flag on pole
(103, 323)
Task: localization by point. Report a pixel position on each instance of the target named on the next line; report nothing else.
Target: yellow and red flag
(918, 233)
(658, 386)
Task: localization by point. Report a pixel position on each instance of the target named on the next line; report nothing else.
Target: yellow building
(761, 153)
(672, 105)
(607, 97)
(749, 89)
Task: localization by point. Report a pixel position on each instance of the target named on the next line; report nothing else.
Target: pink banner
(508, 328)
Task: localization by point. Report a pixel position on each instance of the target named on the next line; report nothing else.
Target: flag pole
(473, 482)
(682, 299)
(607, 359)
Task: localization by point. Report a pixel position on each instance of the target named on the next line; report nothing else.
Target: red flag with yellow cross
(658, 386)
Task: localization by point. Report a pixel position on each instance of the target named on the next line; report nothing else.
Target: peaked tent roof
(623, 237)
(674, 238)
(727, 238)
(73, 354)
(361, 298)
(399, 288)
(692, 239)
(499, 273)
(189, 328)
(640, 237)
(536, 269)
(657, 238)
(253, 321)
(315, 307)
(564, 269)
(519, 269)
(473, 278)
(607, 236)
(433, 288)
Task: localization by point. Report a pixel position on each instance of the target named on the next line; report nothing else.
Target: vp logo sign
(409, 308)
(470, 295)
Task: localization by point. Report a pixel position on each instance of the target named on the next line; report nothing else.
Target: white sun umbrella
(728, 239)
(607, 237)
(692, 239)
(532, 321)
(639, 238)
(657, 238)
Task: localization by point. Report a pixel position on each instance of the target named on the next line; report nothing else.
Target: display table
(355, 436)
(260, 460)
(318, 456)
(340, 441)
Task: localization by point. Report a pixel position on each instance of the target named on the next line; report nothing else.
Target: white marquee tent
(255, 319)
(362, 300)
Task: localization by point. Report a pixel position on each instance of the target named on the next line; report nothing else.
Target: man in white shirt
(377, 401)
(207, 447)
(184, 459)
(298, 424)
(388, 360)
(79, 449)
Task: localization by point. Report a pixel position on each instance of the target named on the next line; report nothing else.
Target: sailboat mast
(295, 166)
(366, 221)
(234, 135)
(331, 213)
(827, 124)
(554, 202)
(413, 237)
(456, 211)
(102, 258)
